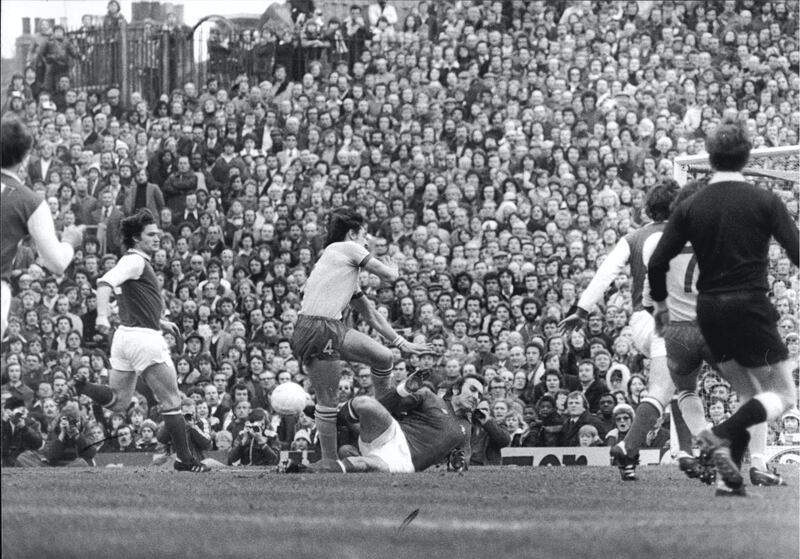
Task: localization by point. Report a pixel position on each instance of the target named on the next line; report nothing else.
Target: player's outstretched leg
(115, 396)
(363, 349)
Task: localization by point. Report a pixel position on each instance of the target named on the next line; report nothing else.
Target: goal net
(776, 168)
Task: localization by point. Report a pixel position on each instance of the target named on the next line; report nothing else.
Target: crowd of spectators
(498, 149)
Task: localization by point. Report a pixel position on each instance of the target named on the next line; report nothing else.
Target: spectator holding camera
(19, 433)
(67, 443)
(487, 437)
(255, 443)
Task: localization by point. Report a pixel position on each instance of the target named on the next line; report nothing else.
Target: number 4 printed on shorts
(328, 347)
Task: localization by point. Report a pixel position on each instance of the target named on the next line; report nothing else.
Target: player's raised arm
(383, 271)
(612, 266)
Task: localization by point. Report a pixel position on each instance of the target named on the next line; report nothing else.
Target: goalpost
(779, 166)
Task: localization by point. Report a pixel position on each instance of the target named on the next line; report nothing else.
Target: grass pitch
(487, 513)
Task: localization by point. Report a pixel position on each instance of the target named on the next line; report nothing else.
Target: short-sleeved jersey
(682, 286)
(681, 281)
(334, 280)
(432, 429)
(636, 240)
(138, 296)
(17, 205)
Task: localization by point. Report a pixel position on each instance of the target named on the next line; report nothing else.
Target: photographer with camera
(66, 442)
(486, 438)
(254, 445)
(20, 434)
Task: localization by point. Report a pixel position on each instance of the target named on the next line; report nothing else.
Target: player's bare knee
(661, 393)
(384, 360)
(361, 403)
(169, 401)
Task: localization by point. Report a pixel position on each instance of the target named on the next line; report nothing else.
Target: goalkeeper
(411, 428)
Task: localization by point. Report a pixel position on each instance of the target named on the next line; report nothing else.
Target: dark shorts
(316, 337)
(741, 326)
(686, 348)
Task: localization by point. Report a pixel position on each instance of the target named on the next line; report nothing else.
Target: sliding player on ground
(410, 429)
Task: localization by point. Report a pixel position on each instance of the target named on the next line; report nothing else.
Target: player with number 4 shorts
(321, 339)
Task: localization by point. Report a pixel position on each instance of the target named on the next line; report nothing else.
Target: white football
(289, 398)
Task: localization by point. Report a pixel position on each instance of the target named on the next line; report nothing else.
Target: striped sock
(325, 418)
(381, 380)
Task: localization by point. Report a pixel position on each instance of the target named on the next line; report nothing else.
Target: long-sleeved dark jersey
(729, 225)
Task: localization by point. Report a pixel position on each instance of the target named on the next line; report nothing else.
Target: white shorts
(135, 349)
(391, 447)
(647, 342)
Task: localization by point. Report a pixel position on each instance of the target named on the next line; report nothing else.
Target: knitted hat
(620, 409)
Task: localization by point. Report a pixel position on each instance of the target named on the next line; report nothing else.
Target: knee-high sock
(750, 413)
(176, 427)
(647, 413)
(758, 446)
(682, 430)
(325, 419)
(692, 411)
(738, 448)
(381, 380)
(100, 393)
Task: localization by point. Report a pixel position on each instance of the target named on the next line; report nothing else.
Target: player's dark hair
(658, 204)
(343, 220)
(728, 146)
(459, 383)
(133, 226)
(15, 141)
(689, 189)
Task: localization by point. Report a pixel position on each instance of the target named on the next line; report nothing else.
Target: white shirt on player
(681, 282)
(334, 280)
